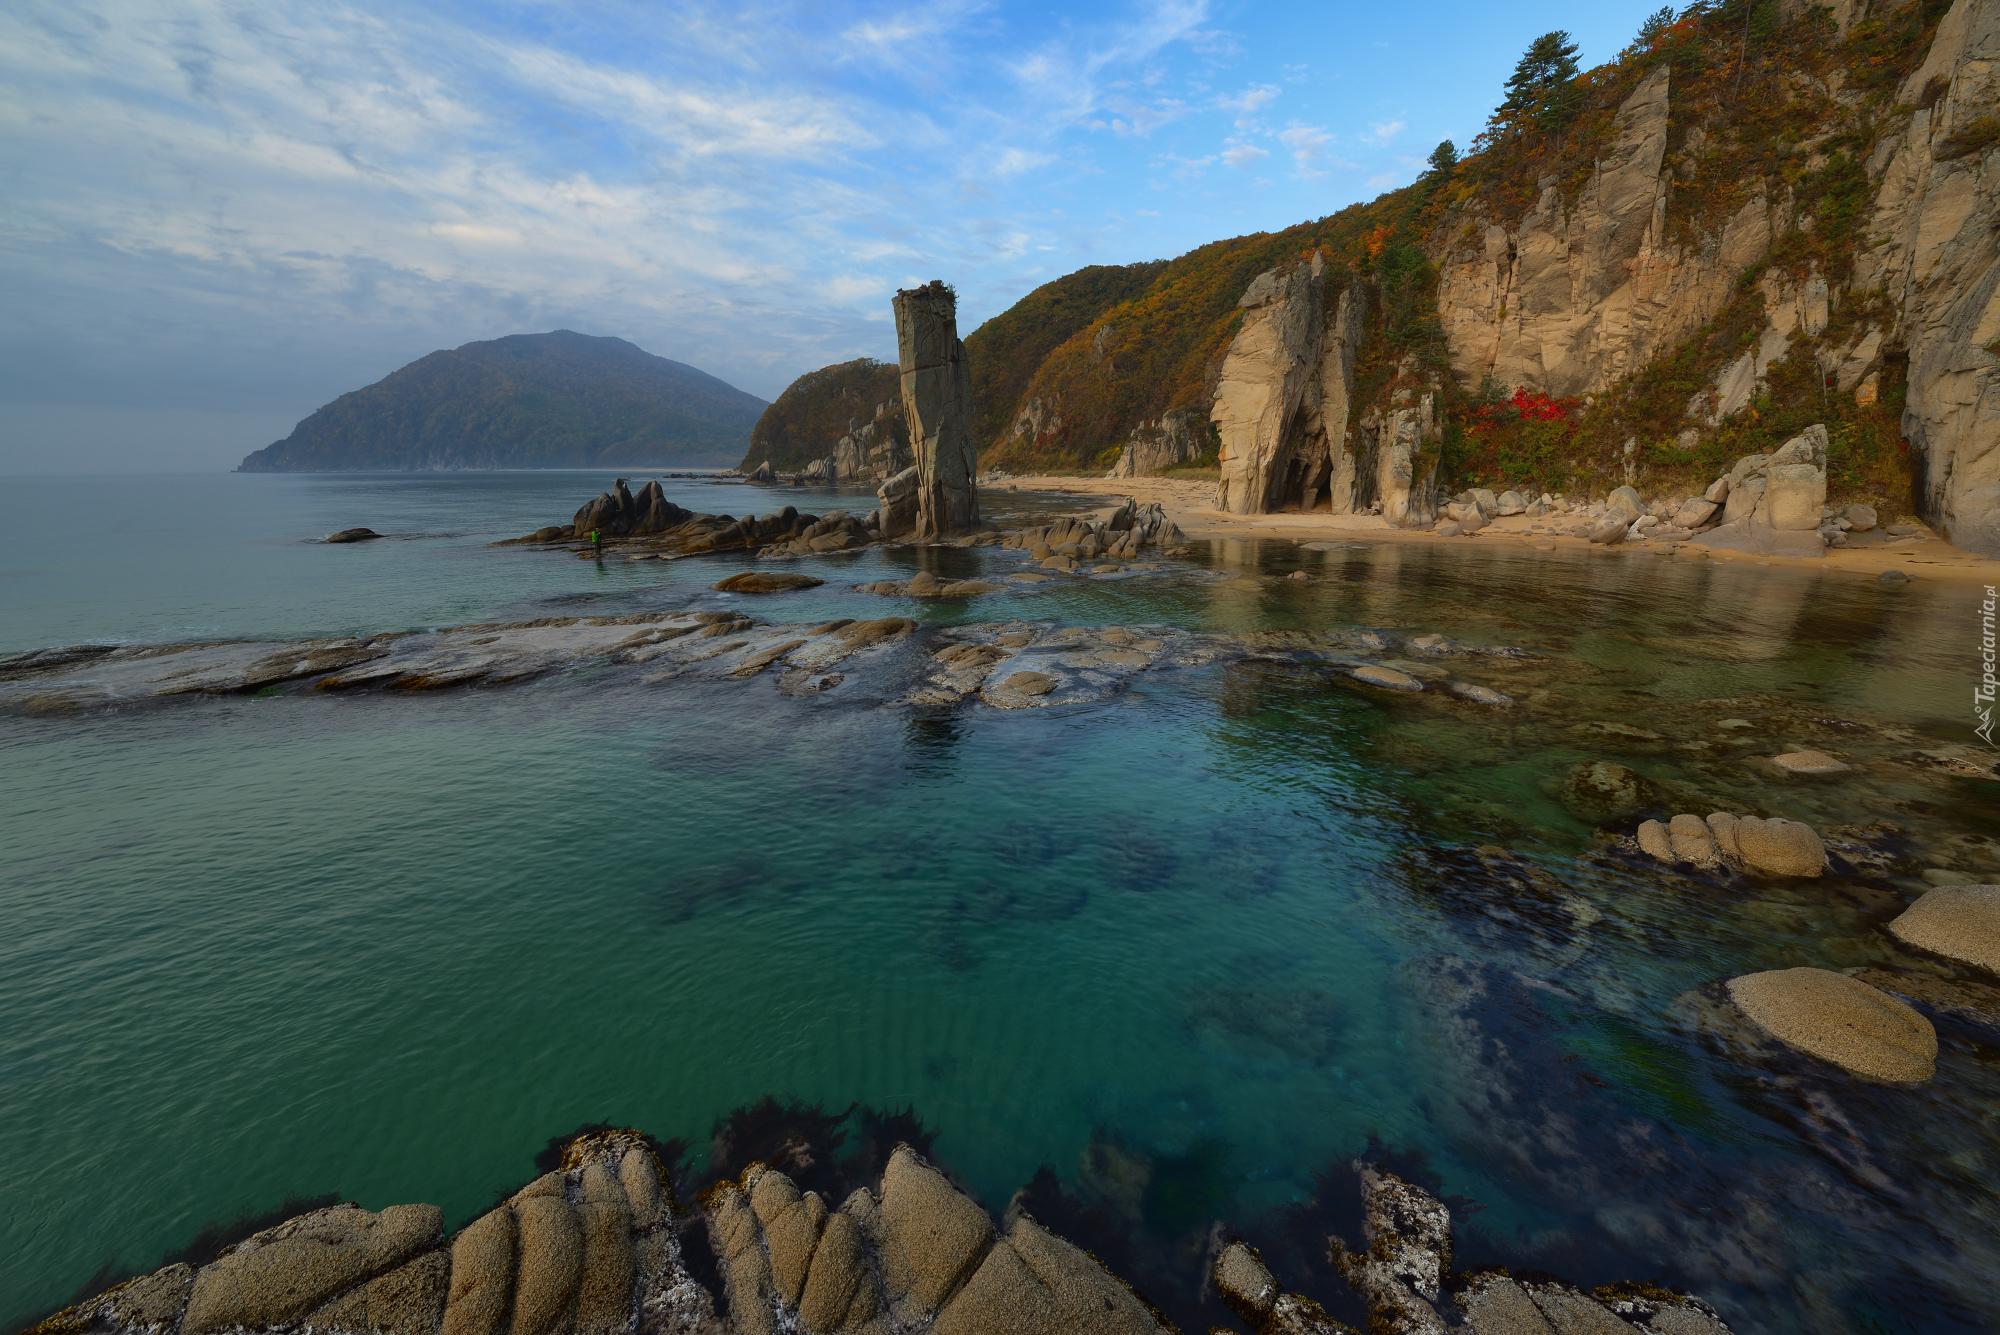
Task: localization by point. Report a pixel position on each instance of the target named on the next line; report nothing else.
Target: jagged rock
(149, 1303)
(279, 1275)
(1296, 1314)
(1496, 1305)
(1780, 847)
(759, 581)
(937, 401)
(763, 474)
(1178, 437)
(1959, 922)
(1243, 1282)
(792, 1226)
(1774, 501)
(353, 535)
(1598, 791)
(1408, 1233)
(933, 1237)
(1569, 1312)
(1839, 1020)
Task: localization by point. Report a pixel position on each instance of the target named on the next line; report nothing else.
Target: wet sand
(1189, 503)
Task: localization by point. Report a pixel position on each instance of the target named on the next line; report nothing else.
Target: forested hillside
(556, 400)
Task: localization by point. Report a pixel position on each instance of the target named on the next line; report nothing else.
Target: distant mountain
(559, 400)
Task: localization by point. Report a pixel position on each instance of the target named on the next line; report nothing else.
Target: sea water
(1210, 933)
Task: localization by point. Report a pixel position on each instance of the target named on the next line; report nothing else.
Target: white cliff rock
(1154, 447)
(1264, 376)
(1774, 501)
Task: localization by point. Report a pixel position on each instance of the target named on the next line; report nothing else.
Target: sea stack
(937, 401)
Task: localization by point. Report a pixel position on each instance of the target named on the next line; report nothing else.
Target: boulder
(1654, 842)
(353, 535)
(1794, 495)
(152, 1302)
(937, 402)
(1959, 922)
(1718, 491)
(1839, 1020)
(1243, 1282)
(482, 1275)
(278, 1276)
(1860, 518)
(1627, 500)
(1611, 530)
(1034, 1283)
(1511, 503)
(1030, 683)
(1694, 513)
(759, 581)
(933, 1237)
(549, 1269)
(839, 1292)
(1692, 840)
(1598, 791)
(897, 513)
(763, 474)
(1809, 762)
(1387, 678)
(1780, 847)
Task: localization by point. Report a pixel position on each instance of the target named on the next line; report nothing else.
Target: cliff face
(1761, 218)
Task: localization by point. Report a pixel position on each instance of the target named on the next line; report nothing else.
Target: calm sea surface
(1191, 948)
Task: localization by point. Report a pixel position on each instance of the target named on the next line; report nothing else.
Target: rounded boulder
(1839, 1020)
(1780, 847)
(1959, 922)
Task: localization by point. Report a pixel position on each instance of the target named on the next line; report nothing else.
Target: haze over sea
(1222, 924)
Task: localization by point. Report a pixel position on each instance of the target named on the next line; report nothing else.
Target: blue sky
(217, 216)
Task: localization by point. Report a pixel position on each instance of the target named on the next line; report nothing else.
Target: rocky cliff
(1761, 217)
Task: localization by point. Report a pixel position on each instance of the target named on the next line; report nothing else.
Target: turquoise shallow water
(1190, 948)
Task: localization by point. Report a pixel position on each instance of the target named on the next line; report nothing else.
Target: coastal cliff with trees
(1761, 215)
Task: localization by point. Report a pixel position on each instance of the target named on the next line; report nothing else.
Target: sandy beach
(1190, 501)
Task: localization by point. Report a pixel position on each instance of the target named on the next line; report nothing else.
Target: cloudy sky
(216, 216)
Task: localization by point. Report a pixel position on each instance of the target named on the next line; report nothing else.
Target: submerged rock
(1809, 762)
(1244, 1284)
(1599, 790)
(1839, 1020)
(353, 535)
(758, 581)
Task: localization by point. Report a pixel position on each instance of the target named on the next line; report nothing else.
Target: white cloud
(1250, 99)
(1311, 155)
(1381, 132)
(1244, 156)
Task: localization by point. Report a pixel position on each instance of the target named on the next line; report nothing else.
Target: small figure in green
(597, 541)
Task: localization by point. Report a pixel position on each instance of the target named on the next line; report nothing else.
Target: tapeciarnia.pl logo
(1982, 694)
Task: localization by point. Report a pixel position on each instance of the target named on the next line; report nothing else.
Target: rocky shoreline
(602, 1246)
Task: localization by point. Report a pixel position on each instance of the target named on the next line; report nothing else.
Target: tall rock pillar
(937, 401)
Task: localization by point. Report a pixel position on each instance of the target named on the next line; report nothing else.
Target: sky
(216, 217)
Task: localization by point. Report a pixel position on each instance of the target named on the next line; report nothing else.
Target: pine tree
(1443, 161)
(1544, 81)
(1656, 24)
